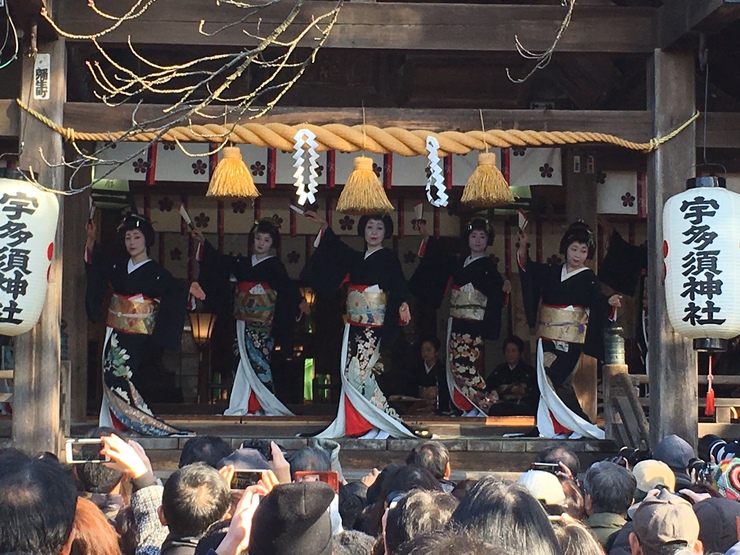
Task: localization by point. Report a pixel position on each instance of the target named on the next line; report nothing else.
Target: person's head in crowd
(352, 542)
(575, 504)
(374, 491)
(664, 524)
(293, 520)
(96, 477)
(561, 455)
(676, 453)
(205, 449)
(545, 488)
(450, 540)
(38, 498)
(309, 458)
(194, 497)
(402, 480)
(350, 507)
(718, 519)
(508, 516)
(245, 458)
(417, 512)
(93, 534)
(576, 539)
(462, 488)
(513, 348)
(608, 488)
(651, 474)
(433, 456)
(429, 349)
(125, 526)
(212, 537)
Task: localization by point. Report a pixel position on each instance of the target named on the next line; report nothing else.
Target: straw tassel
(231, 177)
(363, 193)
(709, 408)
(487, 187)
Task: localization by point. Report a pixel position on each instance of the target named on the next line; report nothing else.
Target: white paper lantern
(28, 222)
(701, 249)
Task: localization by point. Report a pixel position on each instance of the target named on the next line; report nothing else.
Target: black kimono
(265, 303)
(516, 388)
(477, 298)
(146, 312)
(571, 321)
(377, 288)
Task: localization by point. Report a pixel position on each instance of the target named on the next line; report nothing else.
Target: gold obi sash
(560, 324)
(134, 314)
(467, 305)
(365, 308)
(254, 302)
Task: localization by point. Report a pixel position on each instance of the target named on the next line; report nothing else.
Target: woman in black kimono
(570, 322)
(477, 295)
(265, 304)
(146, 313)
(376, 301)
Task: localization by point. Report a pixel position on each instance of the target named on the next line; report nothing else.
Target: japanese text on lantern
(14, 258)
(702, 287)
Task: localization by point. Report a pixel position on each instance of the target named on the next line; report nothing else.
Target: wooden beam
(386, 25)
(26, 13)
(632, 125)
(36, 403)
(677, 19)
(723, 129)
(673, 388)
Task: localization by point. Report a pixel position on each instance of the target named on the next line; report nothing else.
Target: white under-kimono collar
(370, 253)
(565, 274)
(470, 259)
(255, 261)
(133, 267)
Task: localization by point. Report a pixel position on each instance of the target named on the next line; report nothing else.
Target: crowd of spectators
(659, 503)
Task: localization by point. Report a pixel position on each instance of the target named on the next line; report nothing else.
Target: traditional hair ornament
(579, 232)
(135, 221)
(436, 194)
(305, 151)
(481, 224)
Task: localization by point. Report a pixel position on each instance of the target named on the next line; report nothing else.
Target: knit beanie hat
(293, 520)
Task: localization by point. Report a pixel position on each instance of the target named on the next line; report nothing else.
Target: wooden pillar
(672, 362)
(36, 422)
(73, 294)
(581, 205)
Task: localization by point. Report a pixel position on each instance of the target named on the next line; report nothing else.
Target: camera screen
(244, 478)
(78, 451)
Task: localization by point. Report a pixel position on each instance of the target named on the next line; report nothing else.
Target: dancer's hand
(90, 229)
(311, 215)
(507, 287)
(197, 234)
(615, 301)
(404, 313)
(125, 457)
(197, 291)
(305, 310)
(423, 231)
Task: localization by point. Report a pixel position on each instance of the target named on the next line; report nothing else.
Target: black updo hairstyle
(578, 232)
(385, 218)
(268, 226)
(480, 224)
(135, 221)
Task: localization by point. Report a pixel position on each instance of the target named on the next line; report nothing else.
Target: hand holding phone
(84, 450)
(553, 468)
(242, 479)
